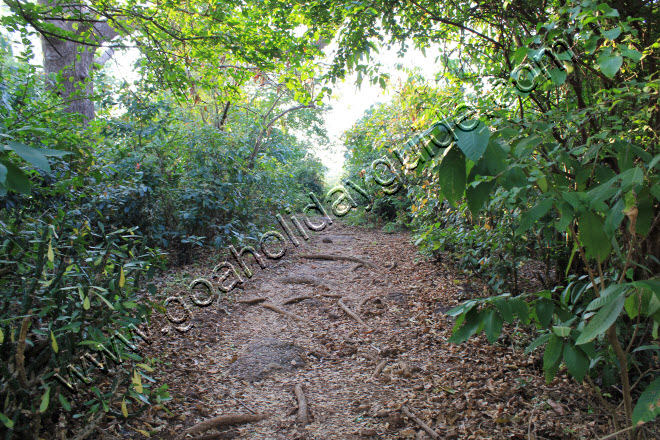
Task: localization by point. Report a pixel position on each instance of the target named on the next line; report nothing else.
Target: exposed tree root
(351, 313)
(379, 369)
(303, 413)
(363, 301)
(331, 295)
(227, 420)
(337, 257)
(274, 308)
(251, 300)
(296, 299)
(313, 281)
(421, 423)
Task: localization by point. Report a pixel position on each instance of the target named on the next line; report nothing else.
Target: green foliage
(566, 172)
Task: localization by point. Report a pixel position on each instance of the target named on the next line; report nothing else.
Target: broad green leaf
(648, 405)
(16, 179)
(469, 327)
(631, 53)
(65, 403)
(45, 399)
(576, 361)
(601, 321)
(526, 146)
(492, 325)
(451, 175)
(552, 357)
(29, 154)
(478, 195)
(504, 308)
(520, 309)
(609, 294)
(614, 218)
(612, 34)
(561, 331)
(473, 143)
(592, 235)
(530, 217)
(9, 423)
(124, 410)
(610, 64)
(3, 174)
(544, 311)
(122, 277)
(537, 342)
(86, 303)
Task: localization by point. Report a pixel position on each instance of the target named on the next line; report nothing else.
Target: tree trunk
(75, 61)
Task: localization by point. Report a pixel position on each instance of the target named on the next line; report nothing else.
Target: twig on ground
(352, 314)
(251, 301)
(337, 257)
(274, 308)
(313, 281)
(226, 420)
(379, 369)
(296, 299)
(364, 300)
(303, 413)
(419, 421)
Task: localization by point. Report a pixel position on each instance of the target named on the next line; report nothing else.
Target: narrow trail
(382, 378)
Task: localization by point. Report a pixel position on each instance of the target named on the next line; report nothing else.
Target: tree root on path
(363, 301)
(251, 301)
(296, 299)
(313, 281)
(421, 423)
(303, 413)
(274, 308)
(227, 420)
(351, 313)
(337, 257)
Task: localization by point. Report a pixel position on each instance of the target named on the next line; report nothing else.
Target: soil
(246, 359)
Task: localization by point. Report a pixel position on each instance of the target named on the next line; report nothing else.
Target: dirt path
(244, 359)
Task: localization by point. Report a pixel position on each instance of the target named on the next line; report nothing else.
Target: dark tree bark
(75, 60)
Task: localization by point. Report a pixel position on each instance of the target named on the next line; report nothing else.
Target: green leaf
(606, 296)
(601, 321)
(478, 195)
(53, 342)
(612, 34)
(530, 217)
(526, 146)
(65, 403)
(552, 357)
(3, 174)
(504, 308)
(561, 331)
(492, 325)
(520, 309)
(473, 143)
(631, 53)
(16, 178)
(592, 235)
(610, 64)
(537, 342)
(451, 175)
(9, 423)
(469, 328)
(44, 401)
(29, 154)
(576, 361)
(648, 405)
(544, 311)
